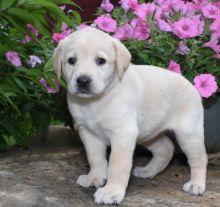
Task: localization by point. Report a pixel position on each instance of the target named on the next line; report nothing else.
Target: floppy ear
(123, 57)
(57, 59)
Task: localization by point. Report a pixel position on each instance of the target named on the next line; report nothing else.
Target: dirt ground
(45, 176)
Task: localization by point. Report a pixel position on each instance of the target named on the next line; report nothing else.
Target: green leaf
(40, 15)
(8, 96)
(7, 125)
(50, 82)
(21, 69)
(190, 63)
(52, 7)
(20, 84)
(11, 20)
(21, 2)
(3, 49)
(48, 65)
(40, 26)
(58, 2)
(41, 121)
(62, 83)
(77, 17)
(3, 144)
(22, 14)
(8, 86)
(6, 4)
(33, 72)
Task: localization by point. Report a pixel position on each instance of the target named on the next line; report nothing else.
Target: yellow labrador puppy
(116, 103)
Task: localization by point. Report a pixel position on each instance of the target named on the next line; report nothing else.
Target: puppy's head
(89, 60)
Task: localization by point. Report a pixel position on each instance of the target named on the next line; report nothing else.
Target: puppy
(116, 103)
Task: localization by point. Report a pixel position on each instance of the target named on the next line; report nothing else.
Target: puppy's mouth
(84, 93)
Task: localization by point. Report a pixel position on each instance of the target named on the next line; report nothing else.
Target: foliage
(27, 105)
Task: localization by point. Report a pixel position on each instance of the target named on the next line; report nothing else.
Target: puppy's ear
(57, 59)
(123, 57)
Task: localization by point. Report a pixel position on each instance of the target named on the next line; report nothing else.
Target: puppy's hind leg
(162, 150)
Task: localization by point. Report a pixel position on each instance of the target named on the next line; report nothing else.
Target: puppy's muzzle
(83, 84)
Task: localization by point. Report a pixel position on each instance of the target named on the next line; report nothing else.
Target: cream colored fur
(129, 104)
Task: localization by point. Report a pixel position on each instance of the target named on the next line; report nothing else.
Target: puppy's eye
(72, 61)
(100, 61)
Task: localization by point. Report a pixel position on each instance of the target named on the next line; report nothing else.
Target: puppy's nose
(83, 81)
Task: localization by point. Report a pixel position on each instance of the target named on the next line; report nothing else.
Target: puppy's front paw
(194, 188)
(109, 195)
(92, 180)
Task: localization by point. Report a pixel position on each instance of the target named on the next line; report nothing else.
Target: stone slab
(46, 177)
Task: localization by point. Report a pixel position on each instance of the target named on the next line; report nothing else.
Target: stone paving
(45, 176)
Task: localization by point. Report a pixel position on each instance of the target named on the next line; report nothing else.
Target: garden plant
(181, 36)
(29, 98)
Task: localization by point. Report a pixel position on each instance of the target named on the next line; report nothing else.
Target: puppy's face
(88, 64)
(90, 60)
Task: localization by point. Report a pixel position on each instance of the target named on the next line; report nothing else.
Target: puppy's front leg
(96, 155)
(120, 163)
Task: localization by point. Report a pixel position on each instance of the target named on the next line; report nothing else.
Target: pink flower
(171, 6)
(57, 37)
(211, 11)
(141, 29)
(48, 87)
(199, 24)
(213, 43)
(188, 28)
(195, 6)
(62, 7)
(143, 10)
(106, 23)
(60, 36)
(159, 2)
(124, 32)
(202, 2)
(66, 33)
(132, 4)
(175, 67)
(163, 25)
(107, 6)
(205, 84)
(160, 18)
(64, 27)
(128, 4)
(182, 49)
(175, 5)
(81, 26)
(215, 26)
(217, 56)
(26, 39)
(216, 3)
(191, 8)
(13, 58)
(162, 12)
(124, 4)
(32, 29)
(138, 29)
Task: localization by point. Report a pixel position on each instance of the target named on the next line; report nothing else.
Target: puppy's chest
(88, 117)
(88, 121)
